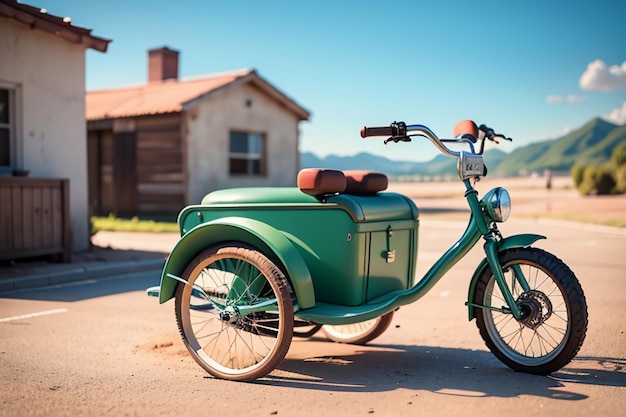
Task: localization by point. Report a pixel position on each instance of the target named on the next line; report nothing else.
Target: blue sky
(533, 69)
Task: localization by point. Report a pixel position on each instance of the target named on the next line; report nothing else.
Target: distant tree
(620, 179)
(577, 173)
(604, 179)
(597, 180)
(618, 157)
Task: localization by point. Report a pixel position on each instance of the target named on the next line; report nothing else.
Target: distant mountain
(592, 143)
(362, 160)
(439, 165)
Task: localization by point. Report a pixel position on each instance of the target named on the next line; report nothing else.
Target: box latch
(391, 253)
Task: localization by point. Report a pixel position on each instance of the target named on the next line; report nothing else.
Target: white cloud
(554, 99)
(617, 116)
(571, 98)
(600, 77)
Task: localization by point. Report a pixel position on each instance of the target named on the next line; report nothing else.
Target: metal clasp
(391, 254)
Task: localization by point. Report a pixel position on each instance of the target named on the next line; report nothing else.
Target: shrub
(597, 180)
(577, 173)
(618, 156)
(620, 179)
(605, 179)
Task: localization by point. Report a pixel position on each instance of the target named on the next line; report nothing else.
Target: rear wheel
(359, 333)
(235, 315)
(554, 312)
(305, 329)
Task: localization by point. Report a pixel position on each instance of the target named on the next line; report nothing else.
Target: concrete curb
(77, 272)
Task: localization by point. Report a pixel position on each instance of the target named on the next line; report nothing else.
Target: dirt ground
(529, 198)
(428, 363)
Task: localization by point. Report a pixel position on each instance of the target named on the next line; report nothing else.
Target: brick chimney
(162, 64)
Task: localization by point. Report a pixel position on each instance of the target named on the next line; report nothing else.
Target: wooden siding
(34, 218)
(160, 164)
(138, 172)
(102, 199)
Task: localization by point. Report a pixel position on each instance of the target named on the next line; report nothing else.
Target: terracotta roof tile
(171, 96)
(167, 96)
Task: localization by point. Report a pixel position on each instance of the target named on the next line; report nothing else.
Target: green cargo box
(356, 248)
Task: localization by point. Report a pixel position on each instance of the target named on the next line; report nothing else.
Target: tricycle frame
(320, 257)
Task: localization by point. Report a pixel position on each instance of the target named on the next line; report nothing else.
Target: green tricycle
(255, 267)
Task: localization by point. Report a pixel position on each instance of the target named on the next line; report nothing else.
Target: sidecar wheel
(359, 333)
(236, 315)
(306, 329)
(554, 324)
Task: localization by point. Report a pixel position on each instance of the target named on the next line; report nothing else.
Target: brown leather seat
(321, 181)
(363, 182)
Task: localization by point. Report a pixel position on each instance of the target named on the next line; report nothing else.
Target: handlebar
(401, 132)
(395, 129)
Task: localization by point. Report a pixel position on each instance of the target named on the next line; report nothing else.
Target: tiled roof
(171, 96)
(37, 18)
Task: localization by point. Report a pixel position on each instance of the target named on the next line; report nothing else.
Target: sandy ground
(529, 196)
(108, 349)
(433, 366)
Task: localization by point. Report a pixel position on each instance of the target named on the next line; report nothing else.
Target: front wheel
(235, 314)
(554, 312)
(359, 333)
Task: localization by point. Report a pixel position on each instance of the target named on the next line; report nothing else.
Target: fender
(267, 239)
(515, 241)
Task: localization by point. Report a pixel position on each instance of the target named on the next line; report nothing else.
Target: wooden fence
(34, 218)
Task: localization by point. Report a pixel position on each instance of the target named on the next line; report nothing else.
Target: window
(247, 154)
(6, 127)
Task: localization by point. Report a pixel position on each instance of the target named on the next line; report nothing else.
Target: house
(156, 147)
(43, 147)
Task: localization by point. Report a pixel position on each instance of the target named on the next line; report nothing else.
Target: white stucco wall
(49, 74)
(208, 125)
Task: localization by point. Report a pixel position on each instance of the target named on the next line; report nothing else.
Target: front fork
(491, 251)
(493, 244)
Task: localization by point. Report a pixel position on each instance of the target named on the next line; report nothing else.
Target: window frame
(249, 156)
(13, 127)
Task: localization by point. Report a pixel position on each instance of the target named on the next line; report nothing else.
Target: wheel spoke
(248, 329)
(544, 338)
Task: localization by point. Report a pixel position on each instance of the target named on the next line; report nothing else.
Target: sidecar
(253, 266)
(339, 238)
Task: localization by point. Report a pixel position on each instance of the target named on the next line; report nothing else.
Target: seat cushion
(363, 182)
(321, 181)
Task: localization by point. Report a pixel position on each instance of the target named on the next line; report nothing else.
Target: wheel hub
(229, 315)
(535, 307)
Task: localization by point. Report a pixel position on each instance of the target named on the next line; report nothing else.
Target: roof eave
(52, 24)
(253, 78)
(290, 104)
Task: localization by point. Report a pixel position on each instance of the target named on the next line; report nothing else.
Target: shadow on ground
(441, 370)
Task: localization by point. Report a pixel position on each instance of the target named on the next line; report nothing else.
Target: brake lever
(396, 139)
(490, 134)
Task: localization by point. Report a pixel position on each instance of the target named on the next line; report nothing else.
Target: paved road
(103, 348)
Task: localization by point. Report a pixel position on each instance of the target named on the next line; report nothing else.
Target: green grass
(134, 224)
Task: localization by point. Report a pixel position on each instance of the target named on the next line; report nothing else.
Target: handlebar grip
(466, 127)
(378, 131)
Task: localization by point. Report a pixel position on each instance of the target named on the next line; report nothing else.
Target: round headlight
(498, 204)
